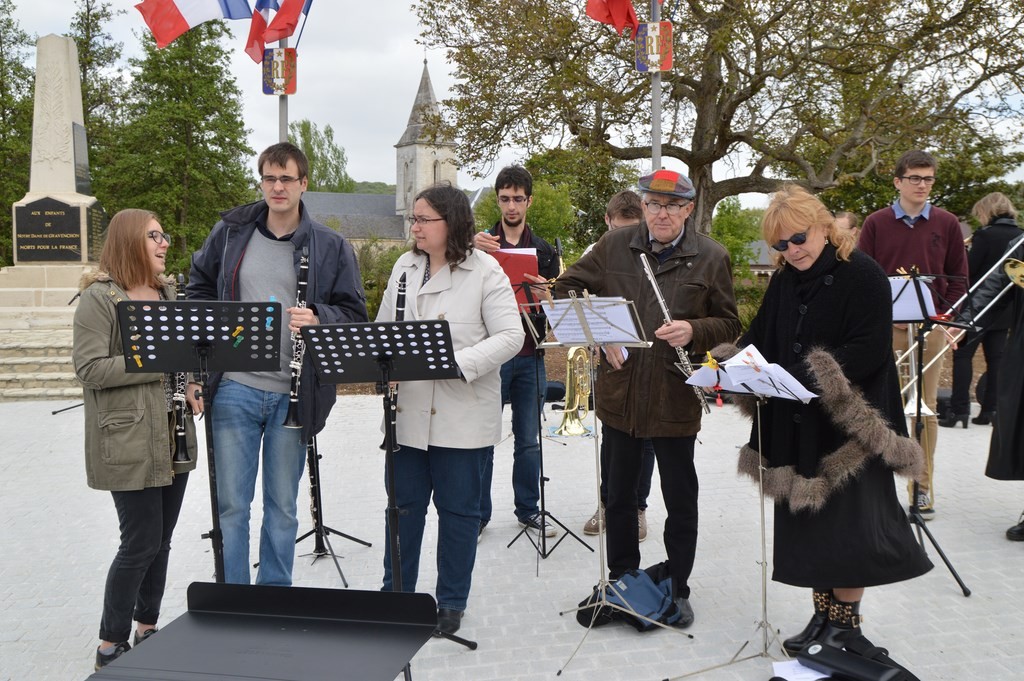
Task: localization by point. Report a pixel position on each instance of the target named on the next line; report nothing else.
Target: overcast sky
(358, 70)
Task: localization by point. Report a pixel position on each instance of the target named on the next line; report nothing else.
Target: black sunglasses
(797, 239)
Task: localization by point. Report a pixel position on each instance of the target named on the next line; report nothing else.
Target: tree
(15, 122)
(327, 162)
(182, 152)
(808, 83)
(551, 215)
(103, 83)
(592, 177)
(737, 229)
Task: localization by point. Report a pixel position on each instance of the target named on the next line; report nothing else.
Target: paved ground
(57, 538)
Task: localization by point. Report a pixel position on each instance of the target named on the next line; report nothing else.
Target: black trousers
(138, 574)
(992, 344)
(678, 488)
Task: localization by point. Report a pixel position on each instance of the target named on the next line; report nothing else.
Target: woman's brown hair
(124, 256)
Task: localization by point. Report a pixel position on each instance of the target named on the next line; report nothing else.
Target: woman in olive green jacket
(129, 429)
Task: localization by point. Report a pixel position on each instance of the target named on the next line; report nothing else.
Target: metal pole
(655, 101)
(282, 108)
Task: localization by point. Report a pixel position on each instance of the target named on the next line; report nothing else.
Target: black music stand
(201, 336)
(535, 321)
(381, 353)
(911, 306)
(321, 532)
(249, 633)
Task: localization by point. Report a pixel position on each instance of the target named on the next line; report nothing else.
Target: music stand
(320, 531)
(535, 321)
(273, 633)
(201, 336)
(923, 317)
(381, 353)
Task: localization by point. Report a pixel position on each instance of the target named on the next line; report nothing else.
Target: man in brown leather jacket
(640, 393)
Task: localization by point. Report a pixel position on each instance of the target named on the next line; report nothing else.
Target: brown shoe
(641, 517)
(596, 523)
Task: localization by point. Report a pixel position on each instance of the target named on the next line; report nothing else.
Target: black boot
(822, 600)
(843, 624)
(1016, 533)
(951, 420)
(984, 418)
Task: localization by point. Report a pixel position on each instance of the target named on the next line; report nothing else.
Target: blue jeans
(242, 417)
(523, 382)
(138, 573)
(452, 477)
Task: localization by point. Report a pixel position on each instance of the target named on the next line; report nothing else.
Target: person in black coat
(829, 464)
(988, 246)
(1006, 451)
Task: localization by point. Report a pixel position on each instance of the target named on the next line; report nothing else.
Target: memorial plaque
(48, 230)
(83, 181)
(96, 221)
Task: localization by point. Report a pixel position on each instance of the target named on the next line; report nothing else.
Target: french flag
(256, 43)
(168, 19)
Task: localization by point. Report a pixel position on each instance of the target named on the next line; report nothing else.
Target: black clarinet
(181, 458)
(399, 317)
(291, 419)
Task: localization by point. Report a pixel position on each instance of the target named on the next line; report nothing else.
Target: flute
(684, 365)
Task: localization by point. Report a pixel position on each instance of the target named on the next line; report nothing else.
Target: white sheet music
(749, 372)
(608, 318)
(906, 307)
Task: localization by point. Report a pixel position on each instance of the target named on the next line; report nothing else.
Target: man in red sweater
(914, 233)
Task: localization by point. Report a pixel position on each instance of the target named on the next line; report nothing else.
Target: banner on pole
(279, 71)
(654, 47)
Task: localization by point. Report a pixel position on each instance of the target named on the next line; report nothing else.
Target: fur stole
(867, 431)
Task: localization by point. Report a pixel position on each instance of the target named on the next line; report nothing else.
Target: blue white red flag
(255, 43)
(168, 19)
(285, 21)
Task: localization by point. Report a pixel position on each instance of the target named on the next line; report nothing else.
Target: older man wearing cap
(641, 394)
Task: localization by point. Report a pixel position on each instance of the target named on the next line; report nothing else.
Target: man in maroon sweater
(912, 232)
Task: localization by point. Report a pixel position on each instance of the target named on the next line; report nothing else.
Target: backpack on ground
(648, 593)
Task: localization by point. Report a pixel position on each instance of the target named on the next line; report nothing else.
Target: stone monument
(58, 221)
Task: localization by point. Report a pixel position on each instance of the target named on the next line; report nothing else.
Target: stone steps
(35, 354)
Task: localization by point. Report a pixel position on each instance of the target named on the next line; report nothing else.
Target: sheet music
(609, 320)
(749, 372)
(906, 306)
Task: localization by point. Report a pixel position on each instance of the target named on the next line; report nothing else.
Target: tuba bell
(577, 392)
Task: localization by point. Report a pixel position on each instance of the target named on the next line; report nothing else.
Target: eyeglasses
(513, 199)
(158, 236)
(797, 240)
(271, 180)
(420, 220)
(918, 179)
(653, 207)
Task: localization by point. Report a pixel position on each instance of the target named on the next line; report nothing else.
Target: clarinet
(393, 391)
(291, 419)
(181, 458)
(684, 365)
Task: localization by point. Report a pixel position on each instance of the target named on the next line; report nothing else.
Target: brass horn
(577, 392)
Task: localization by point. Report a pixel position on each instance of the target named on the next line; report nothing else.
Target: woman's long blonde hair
(124, 256)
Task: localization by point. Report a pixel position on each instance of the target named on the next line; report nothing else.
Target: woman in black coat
(1006, 452)
(827, 319)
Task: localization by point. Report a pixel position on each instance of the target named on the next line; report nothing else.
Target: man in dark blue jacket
(253, 254)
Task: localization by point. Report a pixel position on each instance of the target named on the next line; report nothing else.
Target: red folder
(517, 262)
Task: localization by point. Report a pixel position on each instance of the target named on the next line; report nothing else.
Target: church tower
(421, 162)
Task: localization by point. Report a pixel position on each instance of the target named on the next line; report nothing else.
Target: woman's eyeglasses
(420, 220)
(797, 240)
(158, 236)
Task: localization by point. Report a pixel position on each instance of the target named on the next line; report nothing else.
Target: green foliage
(737, 228)
(592, 177)
(182, 151)
(103, 82)
(748, 300)
(551, 215)
(968, 170)
(375, 264)
(327, 161)
(824, 87)
(15, 122)
(373, 188)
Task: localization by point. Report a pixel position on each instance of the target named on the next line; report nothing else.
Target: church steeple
(422, 162)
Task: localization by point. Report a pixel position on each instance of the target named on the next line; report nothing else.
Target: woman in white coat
(445, 427)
